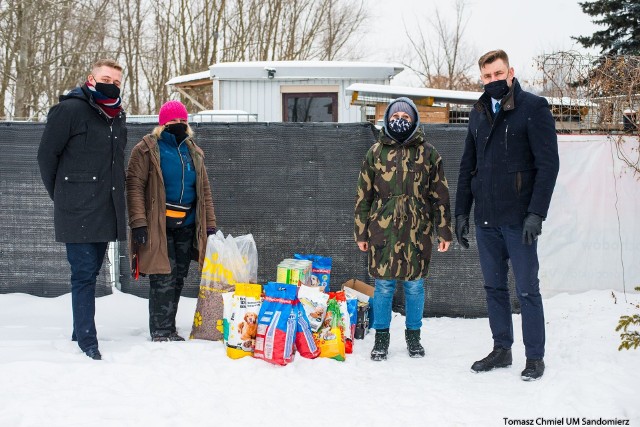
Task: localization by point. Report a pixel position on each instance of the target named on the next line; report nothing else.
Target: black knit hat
(404, 107)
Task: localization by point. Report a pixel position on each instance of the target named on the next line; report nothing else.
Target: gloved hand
(531, 228)
(462, 229)
(211, 230)
(139, 236)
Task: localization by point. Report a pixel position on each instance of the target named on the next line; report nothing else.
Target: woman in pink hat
(170, 213)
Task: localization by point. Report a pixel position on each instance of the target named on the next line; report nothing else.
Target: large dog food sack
(330, 337)
(227, 298)
(341, 298)
(320, 270)
(241, 319)
(314, 303)
(304, 342)
(227, 261)
(352, 307)
(277, 324)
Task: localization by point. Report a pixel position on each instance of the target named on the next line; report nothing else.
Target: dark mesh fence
(30, 260)
(291, 185)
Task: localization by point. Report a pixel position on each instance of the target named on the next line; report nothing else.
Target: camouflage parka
(402, 195)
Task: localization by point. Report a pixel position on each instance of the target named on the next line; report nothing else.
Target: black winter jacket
(510, 162)
(81, 159)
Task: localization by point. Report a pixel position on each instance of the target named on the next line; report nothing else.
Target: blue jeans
(383, 298)
(496, 246)
(85, 260)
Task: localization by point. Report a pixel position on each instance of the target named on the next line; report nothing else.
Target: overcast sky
(523, 28)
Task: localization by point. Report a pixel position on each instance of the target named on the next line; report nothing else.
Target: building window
(310, 107)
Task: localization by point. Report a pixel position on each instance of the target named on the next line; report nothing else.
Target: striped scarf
(110, 106)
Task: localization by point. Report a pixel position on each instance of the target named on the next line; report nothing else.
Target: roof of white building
(202, 75)
(294, 70)
(438, 95)
(441, 95)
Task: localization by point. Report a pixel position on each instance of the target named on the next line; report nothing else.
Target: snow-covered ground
(47, 381)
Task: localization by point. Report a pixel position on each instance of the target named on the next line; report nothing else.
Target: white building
(293, 91)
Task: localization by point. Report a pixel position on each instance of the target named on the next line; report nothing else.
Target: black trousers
(165, 289)
(496, 246)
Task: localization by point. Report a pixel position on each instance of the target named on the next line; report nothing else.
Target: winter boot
(413, 342)
(175, 337)
(381, 346)
(93, 353)
(498, 358)
(533, 370)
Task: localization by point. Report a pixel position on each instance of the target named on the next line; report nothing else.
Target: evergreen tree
(622, 19)
(629, 338)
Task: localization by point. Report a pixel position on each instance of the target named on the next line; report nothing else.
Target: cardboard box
(364, 293)
(362, 290)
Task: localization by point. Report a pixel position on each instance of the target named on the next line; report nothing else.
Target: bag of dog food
(304, 343)
(227, 261)
(320, 270)
(352, 308)
(241, 319)
(330, 338)
(314, 303)
(346, 319)
(277, 324)
(226, 314)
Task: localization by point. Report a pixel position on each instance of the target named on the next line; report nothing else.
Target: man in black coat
(81, 159)
(508, 170)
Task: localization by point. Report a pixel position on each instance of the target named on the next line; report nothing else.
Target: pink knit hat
(172, 110)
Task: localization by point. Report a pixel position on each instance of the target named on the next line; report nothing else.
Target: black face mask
(400, 129)
(497, 89)
(108, 89)
(179, 130)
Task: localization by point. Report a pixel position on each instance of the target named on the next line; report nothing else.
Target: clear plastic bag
(230, 260)
(227, 261)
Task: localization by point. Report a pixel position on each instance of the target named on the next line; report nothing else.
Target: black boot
(175, 337)
(93, 353)
(381, 346)
(533, 370)
(498, 358)
(412, 337)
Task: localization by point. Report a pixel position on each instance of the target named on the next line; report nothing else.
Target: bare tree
(157, 63)
(602, 93)
(48, 46)
(48, 49)
(344, 19)
(25, 13)
(8, 30)
(441, 57)
(132, 15)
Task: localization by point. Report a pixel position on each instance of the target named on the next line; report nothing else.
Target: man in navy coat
(81, 159)
(508, 171)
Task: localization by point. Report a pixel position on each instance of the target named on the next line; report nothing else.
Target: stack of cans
(294, 272)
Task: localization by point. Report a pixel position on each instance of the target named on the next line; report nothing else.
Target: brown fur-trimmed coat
(146, 201)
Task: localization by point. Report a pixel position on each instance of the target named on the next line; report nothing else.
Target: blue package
(320, 270)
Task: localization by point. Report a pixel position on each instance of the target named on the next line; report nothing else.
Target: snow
(47, 381)
(440, 95)
(305, 70)
(202, 75)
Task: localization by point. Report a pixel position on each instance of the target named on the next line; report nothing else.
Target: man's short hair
(491, 56)
(107, 63)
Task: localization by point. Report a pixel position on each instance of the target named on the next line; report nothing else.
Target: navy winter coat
(510, 162)
(81, 159)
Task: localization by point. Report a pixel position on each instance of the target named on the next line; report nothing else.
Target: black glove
(211, 230)
(531, 228)
(139, 236)
(462, 229)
